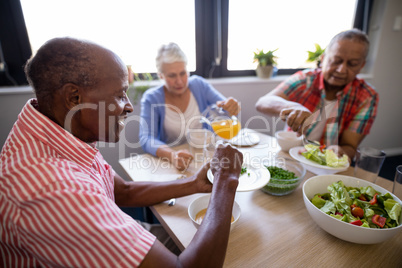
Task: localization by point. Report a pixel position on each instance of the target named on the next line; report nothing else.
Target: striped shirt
(355, 107)
(57, 202)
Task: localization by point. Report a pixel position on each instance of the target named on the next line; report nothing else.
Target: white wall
(383, 71)
(11, 102)
(386, 68)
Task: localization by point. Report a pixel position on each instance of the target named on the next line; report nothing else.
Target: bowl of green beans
(286, 176)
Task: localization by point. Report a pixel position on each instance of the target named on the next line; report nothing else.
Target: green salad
(324, 156)
(362, 206)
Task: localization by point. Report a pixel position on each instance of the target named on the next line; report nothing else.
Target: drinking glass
(368, 163)
(397, 190)
(208, 151)
(197, 139)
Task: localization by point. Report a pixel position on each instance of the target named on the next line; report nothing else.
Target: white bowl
(202, 202)
(288, 140)
(340, 229)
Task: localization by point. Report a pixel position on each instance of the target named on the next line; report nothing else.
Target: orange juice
(226, 128)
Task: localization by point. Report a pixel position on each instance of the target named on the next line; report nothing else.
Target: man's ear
(71, 95)
(322, 56)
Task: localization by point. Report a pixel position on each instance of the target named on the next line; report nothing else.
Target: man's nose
(129, 107)
(342, 67)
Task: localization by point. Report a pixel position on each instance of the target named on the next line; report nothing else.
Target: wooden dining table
(273, 231)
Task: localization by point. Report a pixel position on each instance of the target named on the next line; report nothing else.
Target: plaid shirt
(355, 108)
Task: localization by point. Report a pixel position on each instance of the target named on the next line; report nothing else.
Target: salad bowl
(343, 230)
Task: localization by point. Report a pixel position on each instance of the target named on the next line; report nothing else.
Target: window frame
(208, 13)
(211, 28)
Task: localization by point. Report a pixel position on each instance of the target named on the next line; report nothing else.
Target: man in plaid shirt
(331, 104)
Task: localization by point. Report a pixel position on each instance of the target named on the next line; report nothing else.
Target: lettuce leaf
(333, 160)
(340, 197)
(368, 212)
(329, 207)
(393, 208)
(327, 158)
(313, 153)
(368, 190)
(318, 201)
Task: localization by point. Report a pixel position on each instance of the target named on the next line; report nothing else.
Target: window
(133, 29)
(218, 36)
(291, 26)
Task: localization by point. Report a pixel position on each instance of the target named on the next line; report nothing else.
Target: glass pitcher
(222, 123)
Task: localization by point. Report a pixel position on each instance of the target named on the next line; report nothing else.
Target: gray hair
(354, 35)
(168, 54)
(58, 62)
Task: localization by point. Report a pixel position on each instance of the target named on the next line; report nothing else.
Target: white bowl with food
(348, 231)
(288, 140)
(198, 207)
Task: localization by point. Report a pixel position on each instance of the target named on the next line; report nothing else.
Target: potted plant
(266, 62)
(315, 56)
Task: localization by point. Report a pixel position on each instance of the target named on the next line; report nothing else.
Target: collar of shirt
(50, 133)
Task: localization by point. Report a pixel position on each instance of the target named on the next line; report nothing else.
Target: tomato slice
(379, 220)
(322, 147)
(362, 197)
(374, 200)
(358, 222)
(358, 212)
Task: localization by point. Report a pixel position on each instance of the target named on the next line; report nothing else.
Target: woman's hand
(231, 105)
(182, 159)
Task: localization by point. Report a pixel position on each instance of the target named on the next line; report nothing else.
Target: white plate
(294, 152)
(245, 138)
(258, 178)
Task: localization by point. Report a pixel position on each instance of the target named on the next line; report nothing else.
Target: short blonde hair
(168, 54)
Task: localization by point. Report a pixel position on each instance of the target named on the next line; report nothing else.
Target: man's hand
(203, 184)
(226, 162)
(182, 159)
(298, 118)
(231, 105)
